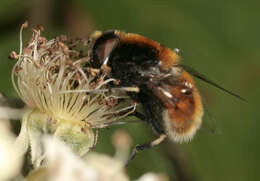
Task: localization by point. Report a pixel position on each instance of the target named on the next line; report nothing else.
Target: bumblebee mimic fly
(166, 90)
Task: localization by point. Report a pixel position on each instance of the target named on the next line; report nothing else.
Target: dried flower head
(66, 94)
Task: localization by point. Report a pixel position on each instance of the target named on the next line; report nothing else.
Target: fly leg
(145, 146)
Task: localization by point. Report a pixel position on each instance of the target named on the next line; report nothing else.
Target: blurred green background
(217, 38)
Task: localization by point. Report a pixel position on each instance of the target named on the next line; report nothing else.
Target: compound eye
(103, 46)
(103, 50)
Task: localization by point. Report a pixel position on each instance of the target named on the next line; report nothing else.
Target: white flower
(153, 177)
(65, 96)
(63, 164)
(10, 162)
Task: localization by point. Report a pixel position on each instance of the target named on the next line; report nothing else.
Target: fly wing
(182, 106)
(207, 80)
